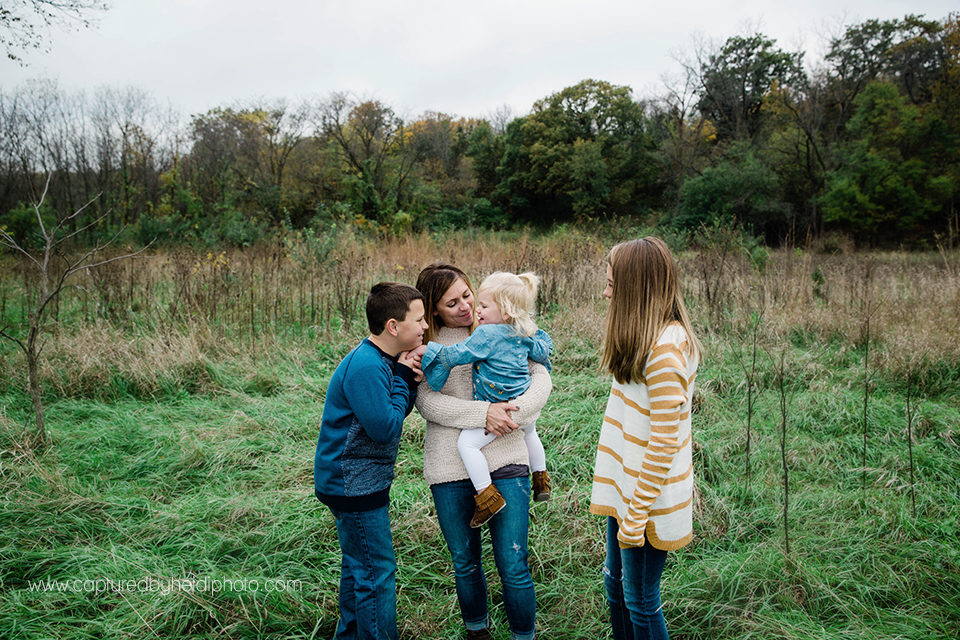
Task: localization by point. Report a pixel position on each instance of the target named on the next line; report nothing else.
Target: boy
(371, 392)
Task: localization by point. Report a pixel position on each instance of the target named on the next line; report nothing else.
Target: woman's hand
(498, 418)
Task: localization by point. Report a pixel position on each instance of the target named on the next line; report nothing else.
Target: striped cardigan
(643, 474)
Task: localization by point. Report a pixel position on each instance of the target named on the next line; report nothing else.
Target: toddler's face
(487, 310)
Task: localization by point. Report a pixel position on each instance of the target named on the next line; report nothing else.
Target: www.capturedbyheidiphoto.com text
(166, 586)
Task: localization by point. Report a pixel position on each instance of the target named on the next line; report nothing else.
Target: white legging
(471, 440)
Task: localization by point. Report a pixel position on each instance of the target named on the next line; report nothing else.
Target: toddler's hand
(412, 359)
(418, 352)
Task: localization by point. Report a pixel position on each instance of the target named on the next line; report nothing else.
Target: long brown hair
(433, 282)
(646, 298)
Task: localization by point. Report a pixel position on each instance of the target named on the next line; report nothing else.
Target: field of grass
(183, 395)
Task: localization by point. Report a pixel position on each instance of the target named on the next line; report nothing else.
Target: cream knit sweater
(452, 409)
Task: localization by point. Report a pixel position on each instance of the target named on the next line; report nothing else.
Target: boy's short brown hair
(389, 300)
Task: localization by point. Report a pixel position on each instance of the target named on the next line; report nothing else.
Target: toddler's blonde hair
(515, 296)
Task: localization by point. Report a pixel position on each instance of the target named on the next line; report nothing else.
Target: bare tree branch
(25, 25)
(53, 242)
(3, 333)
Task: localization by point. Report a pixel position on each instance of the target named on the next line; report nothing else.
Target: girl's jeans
(632, 579)
(508, 533)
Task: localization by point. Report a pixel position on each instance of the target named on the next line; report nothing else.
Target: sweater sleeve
(450, 411)
(380, 397)
(666, 379)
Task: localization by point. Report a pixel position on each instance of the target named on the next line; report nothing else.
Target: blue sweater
(368, 398)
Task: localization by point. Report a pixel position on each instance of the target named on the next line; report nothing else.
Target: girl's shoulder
(674, 335)
(494, 331)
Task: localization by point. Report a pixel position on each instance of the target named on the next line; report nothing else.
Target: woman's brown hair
(646, 298)
(433, 282)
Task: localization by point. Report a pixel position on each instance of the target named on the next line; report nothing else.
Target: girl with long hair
(643, 476)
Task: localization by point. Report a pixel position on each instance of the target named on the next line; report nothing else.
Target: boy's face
(410, 329)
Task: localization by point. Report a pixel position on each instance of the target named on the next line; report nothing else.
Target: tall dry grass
(153, 320)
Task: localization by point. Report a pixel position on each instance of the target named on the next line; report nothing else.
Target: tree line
(865, 142)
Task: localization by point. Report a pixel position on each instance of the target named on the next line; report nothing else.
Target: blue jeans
(508, 534)
(368, 576)
(632, 578)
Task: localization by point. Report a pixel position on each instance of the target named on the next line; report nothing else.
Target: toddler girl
(498, 349)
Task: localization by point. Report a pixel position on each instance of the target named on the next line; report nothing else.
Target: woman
(449, 301)
(643, 477)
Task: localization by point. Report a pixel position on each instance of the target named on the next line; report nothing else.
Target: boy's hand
(412, 359)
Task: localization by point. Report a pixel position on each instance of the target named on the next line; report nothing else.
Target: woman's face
(608, 292)
(455, 308)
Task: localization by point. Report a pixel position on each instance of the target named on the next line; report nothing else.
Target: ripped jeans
(508, 534)
(632, 578)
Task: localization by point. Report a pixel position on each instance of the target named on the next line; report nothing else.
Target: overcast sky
(458, 58)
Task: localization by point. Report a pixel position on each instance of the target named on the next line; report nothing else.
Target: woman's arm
(535, 397)
(450, 411)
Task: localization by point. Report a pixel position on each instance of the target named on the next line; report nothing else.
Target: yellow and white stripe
(643, 474)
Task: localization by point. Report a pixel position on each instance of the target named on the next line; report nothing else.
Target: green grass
(182, 439)
(216, 483)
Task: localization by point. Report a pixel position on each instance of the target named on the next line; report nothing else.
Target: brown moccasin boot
(489, 503)
(541, 486)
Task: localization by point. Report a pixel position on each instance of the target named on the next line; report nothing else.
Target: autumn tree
(443, 144)
(485, 149)
(239, 156)
(380, 153)
(742, 188)
(898, 168)
(908, 52)
(685, 137)
(273, 131)
(109, 148)
(946, 91)
(735, 78)
(582, 152)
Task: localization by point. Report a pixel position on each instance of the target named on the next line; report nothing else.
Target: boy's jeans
(368, 576)
(508, 534)
(632, 578)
